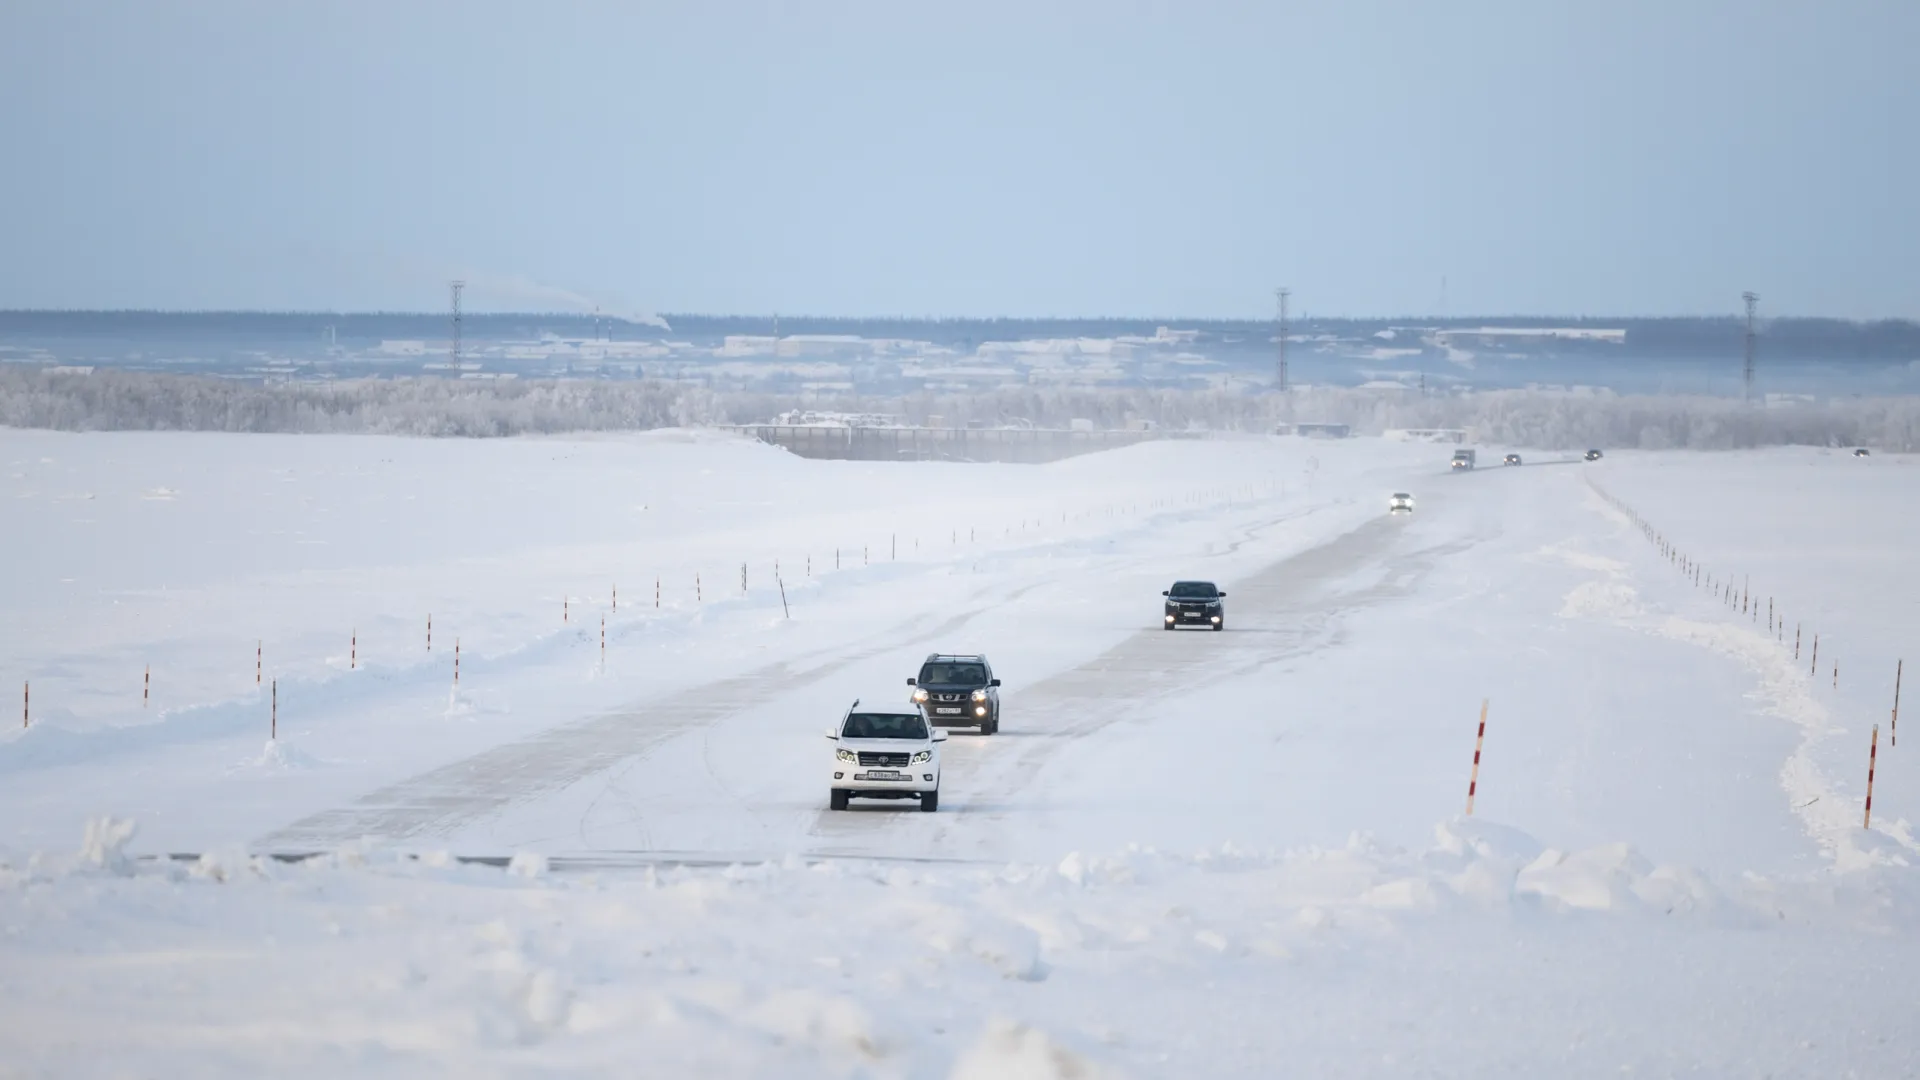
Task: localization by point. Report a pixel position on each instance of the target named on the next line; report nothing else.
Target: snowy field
(1185, 854)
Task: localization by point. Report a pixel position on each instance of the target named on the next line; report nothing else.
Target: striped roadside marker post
(1873, 753)
(1473, 781)
(1893, 733)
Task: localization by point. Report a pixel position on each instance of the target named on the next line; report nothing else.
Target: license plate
(948, 712)
(884, 775)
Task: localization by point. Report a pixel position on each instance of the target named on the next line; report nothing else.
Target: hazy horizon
(821, 316)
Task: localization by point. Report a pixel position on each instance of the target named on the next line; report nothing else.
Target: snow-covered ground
(1185, 854)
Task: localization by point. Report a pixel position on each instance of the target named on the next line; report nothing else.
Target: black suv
(1195, 603)
(958, 691)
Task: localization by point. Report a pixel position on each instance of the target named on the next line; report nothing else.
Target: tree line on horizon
(138, 401)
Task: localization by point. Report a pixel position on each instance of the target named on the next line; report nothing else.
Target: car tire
(1220, 626)
(838, 799)
(930, 801)
(991, 724)
(1169, 626)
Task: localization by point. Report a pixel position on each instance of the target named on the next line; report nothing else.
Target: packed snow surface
(307, 851)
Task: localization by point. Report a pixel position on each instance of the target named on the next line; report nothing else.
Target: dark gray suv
(1195, 603)
(958, 690)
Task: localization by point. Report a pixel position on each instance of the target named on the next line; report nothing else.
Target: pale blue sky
(983, 158)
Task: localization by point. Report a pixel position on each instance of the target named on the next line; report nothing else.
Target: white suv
(886, 752)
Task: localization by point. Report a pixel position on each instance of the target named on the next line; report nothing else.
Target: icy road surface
(1185, 853)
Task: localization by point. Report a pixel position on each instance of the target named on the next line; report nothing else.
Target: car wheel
(838, 800)
(992, 726)
(1169, 626)
(930, 801)
(1219, 626)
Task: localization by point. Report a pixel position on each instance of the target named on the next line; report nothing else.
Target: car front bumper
(1193, 618)
(857, 779)
(965, 714)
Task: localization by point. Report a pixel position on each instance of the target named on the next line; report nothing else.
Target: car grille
(947, 697)
(883, 758)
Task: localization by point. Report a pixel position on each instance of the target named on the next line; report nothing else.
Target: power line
(453, 351)
(1281, 296)
(1752, 299)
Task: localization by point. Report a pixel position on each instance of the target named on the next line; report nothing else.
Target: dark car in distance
(1593, 455)
(958, 690)
(1195, 603)
(1512, 459)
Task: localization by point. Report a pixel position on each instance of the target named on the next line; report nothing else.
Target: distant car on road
(1462, 460)
(1511, 459)
(958, 691)
(1860, 451)
(1400, 503)
(1593, 455)
(1195, 603)
(885, 752)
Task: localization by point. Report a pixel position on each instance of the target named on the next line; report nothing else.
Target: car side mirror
(1164, 592)
(939, 734)
(910, 682)
(833, 736)
(993, 682)
(1223, 594)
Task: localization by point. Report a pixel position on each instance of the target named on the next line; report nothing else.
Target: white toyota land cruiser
(886, 752)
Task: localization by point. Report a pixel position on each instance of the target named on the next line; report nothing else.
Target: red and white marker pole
(1873, 753)
(146, 685)
(259, 649)
(1473, 781)
(26, 703)
(456, 662)
(273, 729)
(1893, 733)
(353, 652)
(429, 633)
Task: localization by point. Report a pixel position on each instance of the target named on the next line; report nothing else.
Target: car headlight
(919, 696)
(847, 756)
(922, 757)
(979, 695)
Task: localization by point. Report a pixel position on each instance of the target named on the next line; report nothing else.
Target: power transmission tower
(453, 350)
(1752, 299)
(1281, 296)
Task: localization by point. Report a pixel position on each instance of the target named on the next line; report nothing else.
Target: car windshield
(1193, 590)
(868, 725)
(943, 674)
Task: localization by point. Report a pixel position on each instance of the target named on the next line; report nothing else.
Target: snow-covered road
(1184, 853)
